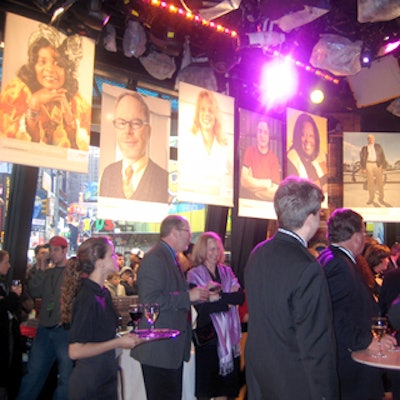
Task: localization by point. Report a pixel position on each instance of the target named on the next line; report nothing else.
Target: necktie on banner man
(128, 188)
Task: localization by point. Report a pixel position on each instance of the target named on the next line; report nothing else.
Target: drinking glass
(151, 312)
(136, 313)
(379, 328)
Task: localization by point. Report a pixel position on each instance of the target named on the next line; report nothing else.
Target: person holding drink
(87, 307)
(353, 307)
(161, 281)
(217, 358)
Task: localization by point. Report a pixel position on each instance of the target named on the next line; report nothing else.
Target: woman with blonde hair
(217, 336)
(87, 306)
(207, 120)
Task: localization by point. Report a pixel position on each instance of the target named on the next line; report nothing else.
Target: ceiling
(236, 63)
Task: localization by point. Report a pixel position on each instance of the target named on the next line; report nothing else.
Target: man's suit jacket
(353, 307)
(290, 348)
(390, 289)
(161, 281)
(380, 156)
(152, 187)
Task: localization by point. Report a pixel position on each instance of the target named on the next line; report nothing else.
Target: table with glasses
(391, 359)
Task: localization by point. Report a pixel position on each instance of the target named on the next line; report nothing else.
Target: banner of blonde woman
(205, 146)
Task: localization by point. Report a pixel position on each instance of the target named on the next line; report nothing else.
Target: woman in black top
(88, 307)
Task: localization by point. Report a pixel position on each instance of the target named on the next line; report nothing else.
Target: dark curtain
(246, 234)
(19, 217)
(216, 220)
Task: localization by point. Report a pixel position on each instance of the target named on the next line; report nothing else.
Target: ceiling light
(365, 58)
(265, 39)
(317, 96)
(278, 84)
(61, 10)
(388, 47)
(91, 14)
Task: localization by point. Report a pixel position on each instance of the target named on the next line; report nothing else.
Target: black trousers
(162, 383)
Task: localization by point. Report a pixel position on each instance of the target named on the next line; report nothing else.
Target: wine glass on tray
(136, 313)
(151, 312)
(379, 327)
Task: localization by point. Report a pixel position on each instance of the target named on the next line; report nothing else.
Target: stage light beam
(278, 83)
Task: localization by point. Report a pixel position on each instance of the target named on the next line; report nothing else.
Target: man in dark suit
(161, 280)
(136, 176)
(290, 348)
(373, 163)
(353, 306)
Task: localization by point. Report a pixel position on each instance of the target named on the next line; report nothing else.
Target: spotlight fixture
(317, 96)
(266, 38)
(61, 10)
(91, 14)
(365, 58)
(389, 46)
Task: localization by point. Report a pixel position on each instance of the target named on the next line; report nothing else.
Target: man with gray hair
(290, 349)
(353, 306)
(161, 280)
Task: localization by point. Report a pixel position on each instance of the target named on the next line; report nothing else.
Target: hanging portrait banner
(205, 146)
(371, 175)
(260, 152)
(134, 155)
(307, 148)
(46, 96)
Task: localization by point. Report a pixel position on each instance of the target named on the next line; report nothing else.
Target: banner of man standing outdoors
(45, 102)
(371, 175)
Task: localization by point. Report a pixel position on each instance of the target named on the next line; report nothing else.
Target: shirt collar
(171, 250)
(137, 166)
(346, 251)
(294, 235)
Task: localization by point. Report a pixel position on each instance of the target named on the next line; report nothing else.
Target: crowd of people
(305, 315)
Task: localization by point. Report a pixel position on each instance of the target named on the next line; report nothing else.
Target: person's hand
(129, 341)
(45, 264)
(44, 96)
(387, 341)
(214, 290)
(198, 293)
(214, 287)
(235, 288)
(16, 289)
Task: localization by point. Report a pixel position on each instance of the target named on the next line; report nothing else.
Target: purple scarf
(226, 324)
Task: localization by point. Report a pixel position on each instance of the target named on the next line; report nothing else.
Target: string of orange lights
(197, 19)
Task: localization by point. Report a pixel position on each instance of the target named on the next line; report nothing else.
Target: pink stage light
(278, 83)
(388, 48)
